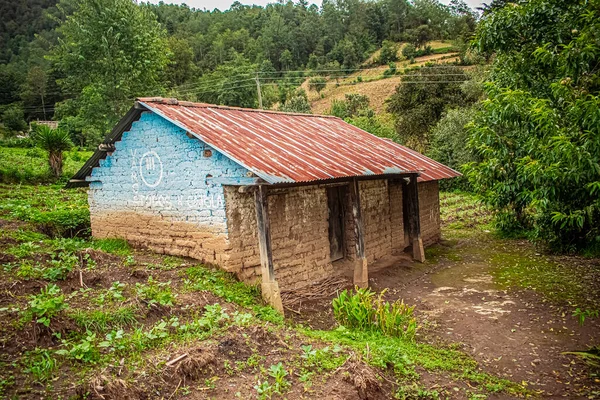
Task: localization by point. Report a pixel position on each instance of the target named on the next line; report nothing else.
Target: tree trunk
(55, 159)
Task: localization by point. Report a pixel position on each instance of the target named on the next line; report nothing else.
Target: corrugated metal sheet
(284, 147)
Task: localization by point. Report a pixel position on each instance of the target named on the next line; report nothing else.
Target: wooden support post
(269, 286)
(414, 221)
(361, 271)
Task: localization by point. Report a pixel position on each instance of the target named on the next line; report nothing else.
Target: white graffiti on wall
(151, 169)
(148, 171)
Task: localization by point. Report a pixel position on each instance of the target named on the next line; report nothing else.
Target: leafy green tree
(13, 118)
(353, 105)
(297, 104)
(377, 125)
(110, 52)
(421, 99)
(286, 59)
(35, 88)
(55, 142)
(181, 67)
(317, 84)
(538, 134)
(447, 142)
(409, 51)
(231, 83)
(388, 53)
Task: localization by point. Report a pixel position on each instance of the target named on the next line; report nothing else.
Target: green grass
(53, 210)
(30, 165)
(403, 356)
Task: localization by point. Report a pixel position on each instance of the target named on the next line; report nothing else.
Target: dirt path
(513, 333)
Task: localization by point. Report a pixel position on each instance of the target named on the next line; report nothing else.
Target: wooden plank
(336, 223)
(414, 221)
(264, 237)
(361, 275)
(269, 286)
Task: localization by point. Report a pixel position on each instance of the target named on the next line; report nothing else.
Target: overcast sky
(224, 4)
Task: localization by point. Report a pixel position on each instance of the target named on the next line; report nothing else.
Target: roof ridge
(175, 102)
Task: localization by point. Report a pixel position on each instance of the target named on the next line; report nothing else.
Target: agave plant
(55, 142)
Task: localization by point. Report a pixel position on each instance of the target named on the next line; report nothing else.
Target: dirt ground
(514, 333)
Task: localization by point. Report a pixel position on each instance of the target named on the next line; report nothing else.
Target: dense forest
(51, 68)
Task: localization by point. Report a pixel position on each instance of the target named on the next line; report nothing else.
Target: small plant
(60, 266)
(40, 364)
(279, 373)
(581, 315)
(155, 292)
(365, 312)
(45, 305)
(264, 389)
(85, 350)
(113, 294)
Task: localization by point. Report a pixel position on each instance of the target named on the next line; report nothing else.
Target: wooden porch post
(269, 286)
(361, 272)
(414, 222)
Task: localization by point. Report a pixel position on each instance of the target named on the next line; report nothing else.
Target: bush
(317, 84)
(391, 70)
(409, 51)
(389, 52)
(13, 118)
(364, 311)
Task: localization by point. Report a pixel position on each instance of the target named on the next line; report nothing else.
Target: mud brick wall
(299, 235)
(375, 207)
(396, 216)
(157, 190)
(429, 211)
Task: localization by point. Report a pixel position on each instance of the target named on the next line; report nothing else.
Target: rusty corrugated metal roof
(287, 147)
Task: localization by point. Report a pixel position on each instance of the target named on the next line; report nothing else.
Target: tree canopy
(538, 134)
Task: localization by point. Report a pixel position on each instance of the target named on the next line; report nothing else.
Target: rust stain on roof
(284, 147)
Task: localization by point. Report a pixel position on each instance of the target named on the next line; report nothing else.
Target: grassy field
(85, 318)
(19, 165)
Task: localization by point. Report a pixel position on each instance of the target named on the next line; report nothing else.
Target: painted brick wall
(429, 212)
(156, 190)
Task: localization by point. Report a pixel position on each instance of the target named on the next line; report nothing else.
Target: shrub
(409, 51)
(389, 52)
(364, 311)
(391, 70)
(317, 83)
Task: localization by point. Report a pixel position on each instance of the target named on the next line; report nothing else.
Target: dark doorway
(335, 205)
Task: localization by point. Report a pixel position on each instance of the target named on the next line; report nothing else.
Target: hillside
(370, 80)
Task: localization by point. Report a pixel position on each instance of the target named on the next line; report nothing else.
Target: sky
(224, 4)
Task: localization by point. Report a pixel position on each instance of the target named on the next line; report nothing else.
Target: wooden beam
(414, 221)
(269, 286)
(361, 271)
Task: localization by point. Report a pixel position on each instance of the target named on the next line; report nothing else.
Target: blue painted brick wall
(156, 169)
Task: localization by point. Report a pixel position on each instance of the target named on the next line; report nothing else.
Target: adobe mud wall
(429, 212)
(157, 190)
(299, 230)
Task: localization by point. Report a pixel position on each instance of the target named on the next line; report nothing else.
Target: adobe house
(289, 199)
